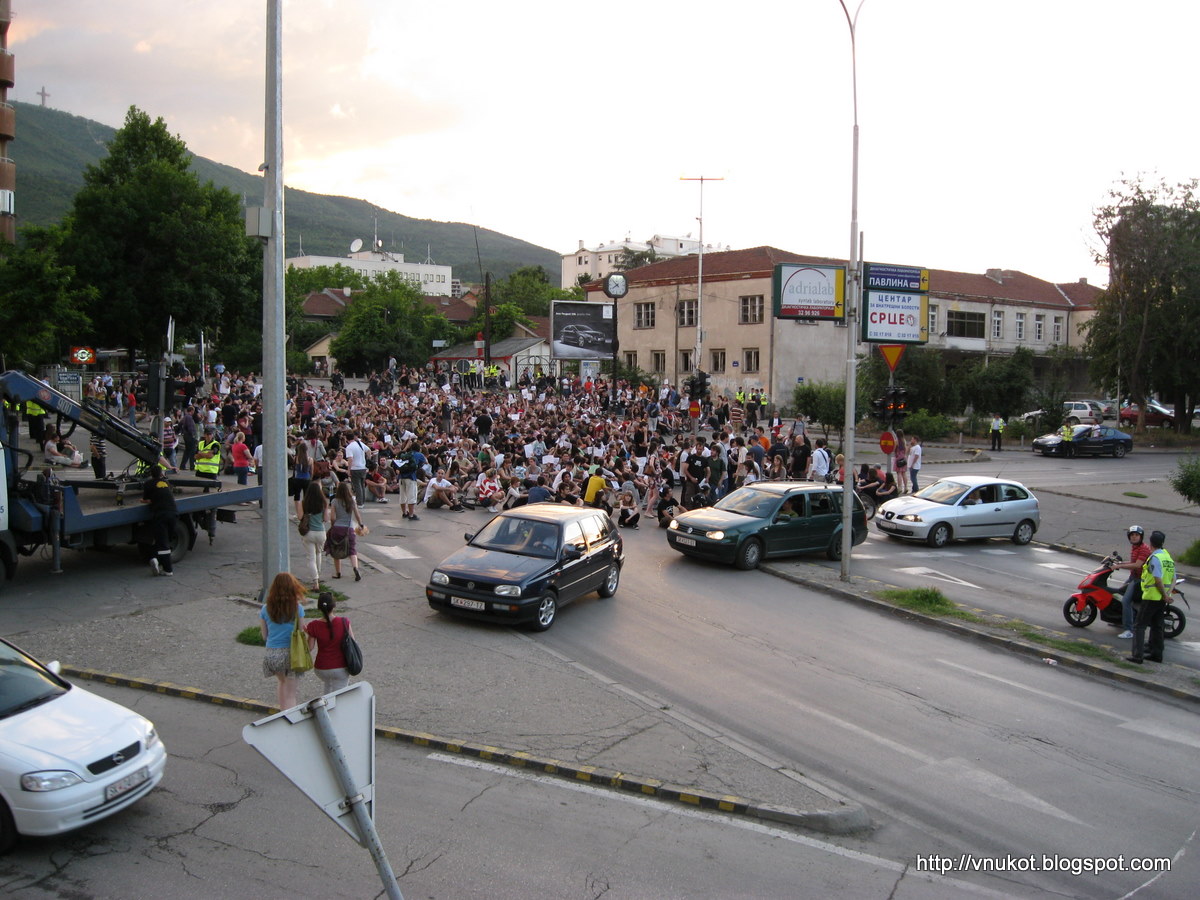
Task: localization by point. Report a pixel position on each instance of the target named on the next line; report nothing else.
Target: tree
(389, 317)
(631, 259)
(1151, 243)
(156, 243)
(42, 311)
(505, 318)
(1002, 386)
(530, 289)
(920, 371)
(824, 403)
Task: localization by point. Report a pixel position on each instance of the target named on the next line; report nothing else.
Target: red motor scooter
(1094, 596)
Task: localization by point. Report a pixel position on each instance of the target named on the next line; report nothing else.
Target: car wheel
(1077, 617)
(939, 535)
(1024, 533)
(834, 550)
(611, 581)
(1173, 621)
(546, 612)
(749, 555)
(870, 507)
(8, 829)
(1118, 450)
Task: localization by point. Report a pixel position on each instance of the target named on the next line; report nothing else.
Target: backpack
(404, 463)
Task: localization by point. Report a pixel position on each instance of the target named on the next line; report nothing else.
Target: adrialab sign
(809, 292)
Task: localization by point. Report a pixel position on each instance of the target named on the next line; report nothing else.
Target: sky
(989, 133)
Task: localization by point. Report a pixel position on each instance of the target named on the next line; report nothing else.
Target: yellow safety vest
(213, 464)
(1149, 586)
(32, 409)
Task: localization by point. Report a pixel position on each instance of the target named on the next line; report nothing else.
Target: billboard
(893, 317)
(809, 292)
(581, 330)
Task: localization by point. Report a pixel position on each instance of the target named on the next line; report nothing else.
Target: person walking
(900, 462)
(356, 454)
(914, 460)
(314, 510)
(1158, 579)
(301, 476)
(282, 612)
(997, 431)
(164, 518)
(325, 635)
(187, 431)
(342, 513)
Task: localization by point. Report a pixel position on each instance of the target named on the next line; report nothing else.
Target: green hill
(53, 148)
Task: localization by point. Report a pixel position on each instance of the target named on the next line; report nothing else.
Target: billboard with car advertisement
(581, 330)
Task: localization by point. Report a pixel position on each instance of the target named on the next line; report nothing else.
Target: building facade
(427, 277)
(744, 347)
(8, 131)
(598, 262)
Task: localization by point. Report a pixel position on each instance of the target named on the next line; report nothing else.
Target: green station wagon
(765, 520)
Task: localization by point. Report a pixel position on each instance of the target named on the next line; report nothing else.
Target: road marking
(936, 554)
(746, 825)
(393, 552)
(1059, 566)
(1158, 730)
(1032, 690)
(1043, 550)
(934, 573)
(998, 551)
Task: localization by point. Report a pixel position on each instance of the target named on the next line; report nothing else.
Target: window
(685, 361)
(631, 359)
(997, 324)
(1058, 329)
(643, 315)
(658, 361)
(1039, 328)
(751, 310)
(933, 320)
(717, 361)
(750, 360)
(1020, 326)
(964, 324)
(687, 313)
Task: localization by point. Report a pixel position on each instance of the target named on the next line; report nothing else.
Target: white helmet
(1136, 529)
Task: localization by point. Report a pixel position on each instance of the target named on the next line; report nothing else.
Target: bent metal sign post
(895, 305)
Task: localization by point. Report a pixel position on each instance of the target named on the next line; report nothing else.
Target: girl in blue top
(278, 616)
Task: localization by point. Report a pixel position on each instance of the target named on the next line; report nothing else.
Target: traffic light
(690, 386)
(899, 405)
(702, 385)
(879, 407)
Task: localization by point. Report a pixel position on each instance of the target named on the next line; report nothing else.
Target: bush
(1186, 479)
(1190, 556)
(929, 426)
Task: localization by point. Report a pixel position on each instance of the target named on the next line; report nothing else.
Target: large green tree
(41, 301)
(389, 317)
(157, 243)
(921, 371)
(530, 289)
(1001, 386)
(1149, 317)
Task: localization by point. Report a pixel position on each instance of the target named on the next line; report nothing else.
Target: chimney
(581, 244)
(997, 275)
(1083, 281)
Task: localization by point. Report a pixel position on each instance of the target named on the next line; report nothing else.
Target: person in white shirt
(914, 460)
(356, 455)
(820, 461)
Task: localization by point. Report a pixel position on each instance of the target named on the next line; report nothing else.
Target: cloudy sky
(989, 131)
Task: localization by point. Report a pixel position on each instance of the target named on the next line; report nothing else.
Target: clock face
(616, 285)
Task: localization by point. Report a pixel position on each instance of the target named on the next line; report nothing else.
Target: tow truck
(40, 511)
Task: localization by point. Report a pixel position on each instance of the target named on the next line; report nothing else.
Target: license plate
(687, 542)
(468, 604)
(130, 781)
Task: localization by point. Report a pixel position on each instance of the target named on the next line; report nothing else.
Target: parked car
(765, 520)
(527, 562)
(582, 336)
(1087, 440)
(1106, 409)
(969, 506)
(1074, 412)
(67, 756)
(1156, 414)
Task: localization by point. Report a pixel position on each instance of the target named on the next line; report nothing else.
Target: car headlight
(151, 738)
(910, 517)
(674, 526)
(715, 535)
(439, 577)
(49, 781)
(508, 590)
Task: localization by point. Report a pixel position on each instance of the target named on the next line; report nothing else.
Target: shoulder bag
(351, 652)
(301, 655)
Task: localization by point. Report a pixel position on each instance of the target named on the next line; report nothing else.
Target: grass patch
(1140, 496)
(1190, 556)
(1078, 647)
(929, 601)
(252, 634)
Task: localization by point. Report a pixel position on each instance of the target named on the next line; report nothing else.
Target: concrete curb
(849, 818)
(1007, 642)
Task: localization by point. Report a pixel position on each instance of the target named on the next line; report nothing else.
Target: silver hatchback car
(970, 506)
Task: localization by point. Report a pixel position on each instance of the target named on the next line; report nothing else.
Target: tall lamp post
(699, 347)
(853, 297)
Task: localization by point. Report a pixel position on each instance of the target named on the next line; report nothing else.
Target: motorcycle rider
(1158, 579)
(1139, 550)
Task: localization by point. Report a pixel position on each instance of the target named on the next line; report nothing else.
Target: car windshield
(511, 534)
(750, 502)
(24, 684)
(946, 492)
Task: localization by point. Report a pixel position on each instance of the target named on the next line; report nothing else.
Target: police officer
(208, 455)
(1068, 439)
(1158, 577)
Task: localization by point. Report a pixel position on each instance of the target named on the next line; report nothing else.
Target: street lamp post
(699, 346)
(853, 296)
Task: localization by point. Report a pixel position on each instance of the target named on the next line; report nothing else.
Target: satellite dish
(356, 245)
(379, 244)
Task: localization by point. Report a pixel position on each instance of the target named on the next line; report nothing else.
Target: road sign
(887, 442)
(891, 354)
(291, 741)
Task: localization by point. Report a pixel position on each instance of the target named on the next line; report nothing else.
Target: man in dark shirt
(539, 493)
(483, 423)
(164, 518)
(187, 430)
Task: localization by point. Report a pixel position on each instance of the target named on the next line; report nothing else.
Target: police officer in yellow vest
(740, 397)
(36, 417)
(1158, 577)
(208, 455)
(1068, 439)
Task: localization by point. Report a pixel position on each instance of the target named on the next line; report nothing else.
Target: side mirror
(572, 551)
(468, 537)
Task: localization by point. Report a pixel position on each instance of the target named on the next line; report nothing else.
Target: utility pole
(699, 347)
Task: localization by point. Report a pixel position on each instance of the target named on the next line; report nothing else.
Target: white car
(67, 756)
(1075, 412)
(969, 506)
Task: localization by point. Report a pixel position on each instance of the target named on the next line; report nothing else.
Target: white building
(428, 278)
(599, 262)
